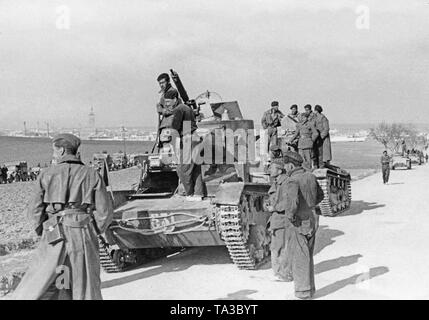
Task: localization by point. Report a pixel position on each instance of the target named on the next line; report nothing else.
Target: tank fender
(229, 193)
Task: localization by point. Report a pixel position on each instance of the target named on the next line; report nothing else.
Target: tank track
(236, 233)
(116, 260)
(106, 260)
(328, 208)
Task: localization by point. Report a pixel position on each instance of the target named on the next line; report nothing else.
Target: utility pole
(47, 128)
(25, 128)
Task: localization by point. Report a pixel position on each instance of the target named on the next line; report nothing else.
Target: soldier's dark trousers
(386, 173)
(280, 258)
(272, 137)
(301, 250)
(318, 153)
(191, 178)
(307, 156)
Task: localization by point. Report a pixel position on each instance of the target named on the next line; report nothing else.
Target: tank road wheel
(247, 244)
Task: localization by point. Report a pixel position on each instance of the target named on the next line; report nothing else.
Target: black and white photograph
(203, 150)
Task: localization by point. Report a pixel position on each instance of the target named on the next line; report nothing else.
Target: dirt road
(376, 250)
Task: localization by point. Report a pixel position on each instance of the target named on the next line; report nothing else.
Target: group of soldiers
(306, 132)
(71, 207)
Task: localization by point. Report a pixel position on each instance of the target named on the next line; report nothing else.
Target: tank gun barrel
(182, 92)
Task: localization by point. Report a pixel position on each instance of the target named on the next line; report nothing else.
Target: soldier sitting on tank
(182, 126)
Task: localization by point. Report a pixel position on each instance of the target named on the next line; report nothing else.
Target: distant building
(91, 120)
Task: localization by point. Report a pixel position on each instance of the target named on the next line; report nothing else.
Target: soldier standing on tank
(322, 145)
(271, 120)
(164, 112)
(289, 124)
(385, 166)
(279, 224)
(306, 134)
(301, 194)
(188, 171)
(73, 196)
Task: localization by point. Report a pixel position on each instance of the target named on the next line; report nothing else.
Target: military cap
(307, 106)
(318, 108)
(163, 76)
(292, 156)
(274, 103)
(294, 106)
(275, 147)
(278, 162)
(171, 94)
(67, 141)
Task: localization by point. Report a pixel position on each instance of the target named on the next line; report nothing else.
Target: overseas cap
(278, 162)
(275, 147)
(171, 94)
(67, 141)
(292, 156)
(274, 103)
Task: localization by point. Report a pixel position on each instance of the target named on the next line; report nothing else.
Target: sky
(60, 58)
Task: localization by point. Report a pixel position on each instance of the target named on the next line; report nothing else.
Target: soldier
(276, 151)
(164, 113)
(385, 166)
(188, 171)
(165, 85)
(69, 204)
(306, 134)
(322, 146)
(301, 193)
(271, 120)
(278, 225)
(4, 174)
(289, 124)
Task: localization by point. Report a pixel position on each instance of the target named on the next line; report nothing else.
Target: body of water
(347, 155)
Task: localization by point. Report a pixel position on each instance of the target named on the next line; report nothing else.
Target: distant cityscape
(338, 132)
(89, 132)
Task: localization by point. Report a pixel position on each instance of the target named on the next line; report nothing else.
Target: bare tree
(392, 135)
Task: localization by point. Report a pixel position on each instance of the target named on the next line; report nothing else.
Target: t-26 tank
(154, 220)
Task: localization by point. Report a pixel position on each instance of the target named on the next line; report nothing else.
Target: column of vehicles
(16, 171)
(116, 161)
(406, 160)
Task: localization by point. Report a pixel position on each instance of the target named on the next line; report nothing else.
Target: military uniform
(279, 224)
(163, 111)
(72, 190)
(270, 122)
(188, 171)
(306, 133)
(302, 194)
(288, 126)
(322, 145)
(385, 168)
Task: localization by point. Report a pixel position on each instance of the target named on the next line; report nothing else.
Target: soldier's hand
(270, 208)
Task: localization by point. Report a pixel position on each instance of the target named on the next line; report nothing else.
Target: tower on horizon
(91, 119)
